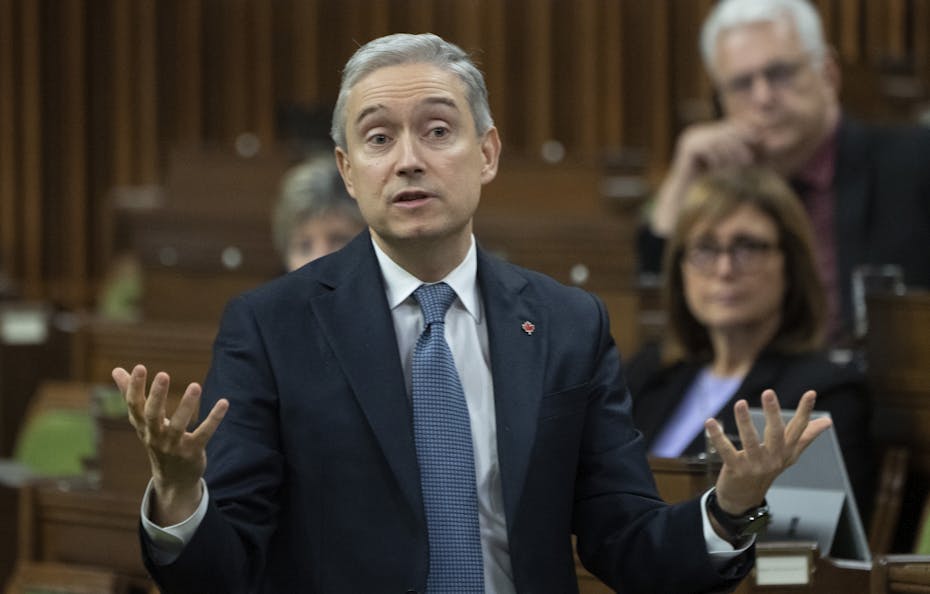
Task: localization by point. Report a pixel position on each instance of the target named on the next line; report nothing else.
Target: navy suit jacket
(313, 477)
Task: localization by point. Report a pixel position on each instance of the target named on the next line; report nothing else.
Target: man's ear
(345, 170)
(491, 151)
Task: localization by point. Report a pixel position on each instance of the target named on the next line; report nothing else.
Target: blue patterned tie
(444, 449)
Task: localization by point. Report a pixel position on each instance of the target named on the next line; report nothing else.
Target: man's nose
(761, 91)
(409, 159)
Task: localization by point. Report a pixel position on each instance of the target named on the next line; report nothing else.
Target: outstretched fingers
(202, 434)
(801, 430)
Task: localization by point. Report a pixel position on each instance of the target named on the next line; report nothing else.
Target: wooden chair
(901, 574)
(888, 496)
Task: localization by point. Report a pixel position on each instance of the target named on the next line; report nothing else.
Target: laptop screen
(812, 500)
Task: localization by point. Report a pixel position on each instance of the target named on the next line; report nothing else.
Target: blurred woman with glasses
(746, 312)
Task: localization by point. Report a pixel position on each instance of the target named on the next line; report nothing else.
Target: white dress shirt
(467, 335)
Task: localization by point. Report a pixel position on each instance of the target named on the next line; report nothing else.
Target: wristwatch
(753, 521)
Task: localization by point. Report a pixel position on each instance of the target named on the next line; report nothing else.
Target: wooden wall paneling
(612, 89)
(422, 14)
(122, 75)
(72, 255)
(494, 65)
(582, 120)
(689, 87)
(306, 68)
(30, 107)
(9, 141)
(236, 92)
(187, 68)
(263, 87)
(876, 16)
(538, 85)
(466, 20)
(920, 30)
(896, 29)
(661, 108)
(146, 92)
(849, 44)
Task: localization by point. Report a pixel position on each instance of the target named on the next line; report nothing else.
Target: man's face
(414, 161)
(767, 79)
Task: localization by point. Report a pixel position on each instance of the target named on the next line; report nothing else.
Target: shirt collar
(400, 284)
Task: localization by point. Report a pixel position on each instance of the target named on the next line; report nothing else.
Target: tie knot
(434, 300)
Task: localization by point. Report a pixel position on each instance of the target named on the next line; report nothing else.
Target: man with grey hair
(410, 414)
(778, 85)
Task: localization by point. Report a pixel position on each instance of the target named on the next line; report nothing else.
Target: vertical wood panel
(76, 207)
(147, 93)
(188, 72)
(422, 16)
(585, 58)
(495, 69)
(920, 29)
(263, 86)
(875, 18)
(237, 44)
(661, 109)
(849, 45)
(538, 63)
(896, 29)
(9, 128)
(306, 69)
(32, 187)
(612, 74)
(122, 77)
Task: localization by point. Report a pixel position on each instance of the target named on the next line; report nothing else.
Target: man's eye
(439, 132)
(377, 139)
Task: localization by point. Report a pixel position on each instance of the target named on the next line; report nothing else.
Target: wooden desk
(82, 527)
(814, 574)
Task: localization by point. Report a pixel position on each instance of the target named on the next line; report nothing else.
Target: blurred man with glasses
(778, 84)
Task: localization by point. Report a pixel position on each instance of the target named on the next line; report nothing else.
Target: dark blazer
(841, 390)
(882, 185)
(313, 476)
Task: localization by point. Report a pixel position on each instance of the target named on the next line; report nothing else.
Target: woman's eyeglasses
(745, 253)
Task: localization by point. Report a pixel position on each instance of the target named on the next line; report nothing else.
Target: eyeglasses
(746, 255)
(779, 75)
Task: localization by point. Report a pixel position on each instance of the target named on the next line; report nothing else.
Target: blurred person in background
(314, 215)
(746, 312)
(778, 86)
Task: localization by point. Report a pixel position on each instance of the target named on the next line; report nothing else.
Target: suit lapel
(356, 320)
(518, 363)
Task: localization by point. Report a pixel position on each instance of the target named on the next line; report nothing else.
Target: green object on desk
(56, 442)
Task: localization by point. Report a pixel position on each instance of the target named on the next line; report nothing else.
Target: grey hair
(729, 14)
(406, 48)
(310, 189)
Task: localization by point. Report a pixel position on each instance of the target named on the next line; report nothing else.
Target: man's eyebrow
(366, 112)
(437, 100)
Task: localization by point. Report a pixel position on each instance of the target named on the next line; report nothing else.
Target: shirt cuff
(164, 544)
(721, 551)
